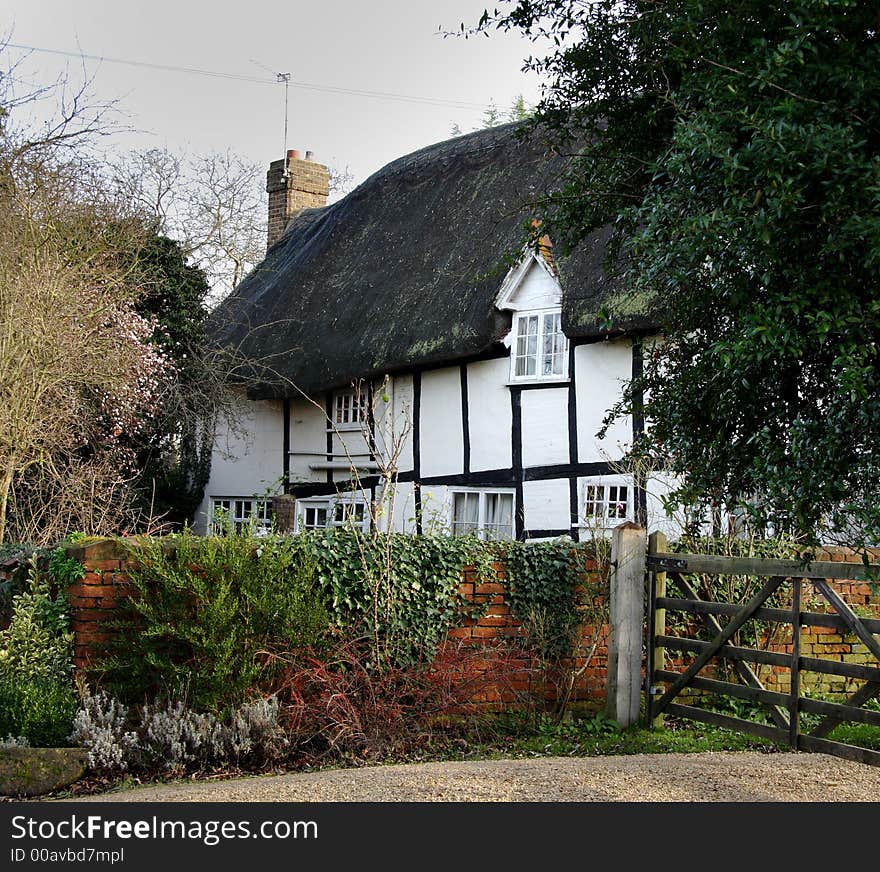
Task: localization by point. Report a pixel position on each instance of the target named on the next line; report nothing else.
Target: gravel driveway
(718, 776)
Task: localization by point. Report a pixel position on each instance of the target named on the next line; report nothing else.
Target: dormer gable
(530, 285)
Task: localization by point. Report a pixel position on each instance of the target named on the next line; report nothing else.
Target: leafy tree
(735, 149)
(174, 450)
(105, 385)
(519, 110)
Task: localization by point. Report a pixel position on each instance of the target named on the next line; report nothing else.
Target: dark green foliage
(401, 588)
(736, 151)
(38, 642)
(40, 709)
(37, 698)
(63, 569)
(207, 612)
(210, 614)
(541, 591)
(174, 455)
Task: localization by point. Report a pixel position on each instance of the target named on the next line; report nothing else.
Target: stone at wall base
(35, 771)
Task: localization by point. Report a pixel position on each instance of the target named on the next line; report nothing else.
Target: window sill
(612, 523)
(531, 382)
(344, 428)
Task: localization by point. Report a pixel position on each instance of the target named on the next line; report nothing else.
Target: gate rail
(785, 709)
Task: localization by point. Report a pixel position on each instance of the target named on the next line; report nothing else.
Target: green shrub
(41, 709)
(38, 642)
(208, 613)
(205, 615)
(37, 698)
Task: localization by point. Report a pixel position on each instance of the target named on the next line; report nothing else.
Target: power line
(330, 89)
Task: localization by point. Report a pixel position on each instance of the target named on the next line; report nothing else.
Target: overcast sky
(390, 46)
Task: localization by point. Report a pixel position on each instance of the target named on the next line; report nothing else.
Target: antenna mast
(284, 77)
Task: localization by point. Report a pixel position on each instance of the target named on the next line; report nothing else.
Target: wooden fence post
(624, 681)
(656, 545)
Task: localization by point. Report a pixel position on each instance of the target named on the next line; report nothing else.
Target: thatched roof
(404, 271)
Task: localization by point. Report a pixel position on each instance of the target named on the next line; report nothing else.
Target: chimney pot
(292, 154)
(310, 155)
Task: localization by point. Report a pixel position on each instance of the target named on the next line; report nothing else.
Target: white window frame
(331, 503)
(481, 514)
(608, 498)
(239, 515)
(353, 410)
(542, 316)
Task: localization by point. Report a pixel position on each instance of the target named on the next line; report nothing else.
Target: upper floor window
(238, 512)
(348, 410)
(488, 514)
(540, 348)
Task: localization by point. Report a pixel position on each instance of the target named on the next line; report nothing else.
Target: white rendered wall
(545, 426)
(489, 414)
(394, 420)
(601, 369)
(350, 447)
(440, 433)
(308, 439)
(435, 509)
(402, 512)
(247, 457)
(546, 505)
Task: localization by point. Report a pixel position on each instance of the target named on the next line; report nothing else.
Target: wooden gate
(786, 581)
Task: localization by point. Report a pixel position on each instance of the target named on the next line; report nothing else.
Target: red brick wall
(94, 599)
(527, 680)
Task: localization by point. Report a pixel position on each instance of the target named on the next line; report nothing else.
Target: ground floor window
(317, 513)
(486, 513)
(607, 502)
(240, 511)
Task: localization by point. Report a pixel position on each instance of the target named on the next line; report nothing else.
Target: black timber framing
(417, 449)
(516, 459)
(638, 431)
(573, 500)
(510, 477)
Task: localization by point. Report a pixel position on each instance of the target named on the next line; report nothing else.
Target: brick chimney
(304, 185)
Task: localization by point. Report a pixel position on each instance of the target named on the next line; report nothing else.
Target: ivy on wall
(552, 594)
(212, 617)
(396, 586)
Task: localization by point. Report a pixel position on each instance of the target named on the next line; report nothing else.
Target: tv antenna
(281, 78)
(285, 78)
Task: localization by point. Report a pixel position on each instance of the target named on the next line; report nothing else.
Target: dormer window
(540, 348)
